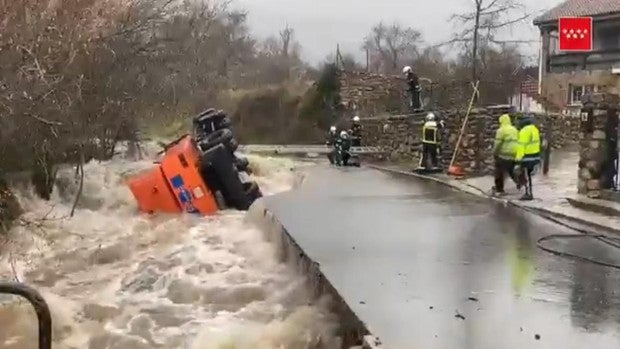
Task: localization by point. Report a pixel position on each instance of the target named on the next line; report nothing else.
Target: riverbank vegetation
(78, 76)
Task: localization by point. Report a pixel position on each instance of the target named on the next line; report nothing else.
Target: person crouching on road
(331, 142)
(430, 142)
(528, 153)
(504, 152)
(343, 145)
(356, 132)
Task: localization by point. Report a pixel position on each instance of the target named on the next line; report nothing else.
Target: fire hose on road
(583, 234)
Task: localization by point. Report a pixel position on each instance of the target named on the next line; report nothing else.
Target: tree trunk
(474, 56)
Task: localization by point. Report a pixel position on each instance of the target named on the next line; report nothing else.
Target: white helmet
(343, 134)
(356, 118)
(407, 70)
(332, 129)
(430, 117)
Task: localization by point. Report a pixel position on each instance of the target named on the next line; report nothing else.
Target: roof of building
(575, 8)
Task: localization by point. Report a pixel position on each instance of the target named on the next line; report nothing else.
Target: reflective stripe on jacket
(529, 144)
(505, 145)
(429, 133)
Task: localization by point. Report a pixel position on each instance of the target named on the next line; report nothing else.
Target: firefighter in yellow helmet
(528, 153)
(430, 143)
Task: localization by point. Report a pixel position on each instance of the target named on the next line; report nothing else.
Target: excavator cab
(198, 172)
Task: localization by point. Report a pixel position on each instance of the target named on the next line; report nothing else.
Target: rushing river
(115, 279)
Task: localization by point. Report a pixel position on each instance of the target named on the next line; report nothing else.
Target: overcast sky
(321, 24)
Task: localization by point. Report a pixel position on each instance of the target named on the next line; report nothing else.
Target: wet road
(409, 255)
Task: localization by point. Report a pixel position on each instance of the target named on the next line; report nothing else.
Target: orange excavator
(198, 172)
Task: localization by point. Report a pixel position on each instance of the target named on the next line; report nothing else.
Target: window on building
(577, 91)
(554, 43)
(607, 38)
(575, 94)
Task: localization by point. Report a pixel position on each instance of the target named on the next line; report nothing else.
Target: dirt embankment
(9, 207)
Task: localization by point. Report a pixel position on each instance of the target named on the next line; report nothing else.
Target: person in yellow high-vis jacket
(504, 153)
(528, 153)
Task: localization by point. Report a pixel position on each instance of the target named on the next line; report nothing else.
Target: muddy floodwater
(115, 279)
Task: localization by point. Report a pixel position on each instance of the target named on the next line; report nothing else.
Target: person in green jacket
(504, 152)
(528, 153)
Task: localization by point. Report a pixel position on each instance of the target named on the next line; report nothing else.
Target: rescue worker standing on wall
(504, 152)
(331, 141)
(413, 88)
(430, 142)
(528, 153)
(356, 132)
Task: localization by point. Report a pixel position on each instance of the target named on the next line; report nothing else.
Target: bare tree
(286, 35)
(483, 23)
(392, 44)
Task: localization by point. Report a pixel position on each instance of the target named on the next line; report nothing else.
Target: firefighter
(343, 145)
(504, 153)
(356, 132)
(331, 142)
(413, 88)
(528, 153)
(430, 142)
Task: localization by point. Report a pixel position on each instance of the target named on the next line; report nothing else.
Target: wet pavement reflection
(426, 266)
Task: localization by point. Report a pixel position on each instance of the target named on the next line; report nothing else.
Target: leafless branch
(45, 121)
(80, 166)
(13, 268)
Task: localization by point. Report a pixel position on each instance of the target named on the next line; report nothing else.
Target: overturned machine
(198, 172)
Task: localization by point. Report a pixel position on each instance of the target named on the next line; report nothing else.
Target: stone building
(566, 76)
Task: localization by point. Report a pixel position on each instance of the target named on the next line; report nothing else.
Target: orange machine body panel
(180, 166)
(153, 193)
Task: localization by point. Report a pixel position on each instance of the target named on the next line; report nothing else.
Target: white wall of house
(526, 104)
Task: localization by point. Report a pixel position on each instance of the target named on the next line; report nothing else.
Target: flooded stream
(115, 279)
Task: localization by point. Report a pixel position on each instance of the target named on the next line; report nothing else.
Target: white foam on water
(116, 279)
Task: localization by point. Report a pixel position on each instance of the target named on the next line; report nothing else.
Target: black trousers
(527, 167)
(503, 167)
(356, 141)
(342, 157)
(429, 152)
(414, 101)
(332, 156)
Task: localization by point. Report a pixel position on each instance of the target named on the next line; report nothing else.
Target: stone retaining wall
(367, 94)
(595, 166)
(352, 331)
(400, 136)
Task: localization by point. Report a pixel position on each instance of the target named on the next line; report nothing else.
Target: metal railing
(40, 307)
(304, 149)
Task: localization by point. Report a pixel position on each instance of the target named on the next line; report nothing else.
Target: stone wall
(597, 142)
(400, 135)
(367, 94)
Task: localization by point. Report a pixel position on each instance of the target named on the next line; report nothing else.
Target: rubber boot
(528, 194)
(494, 192)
